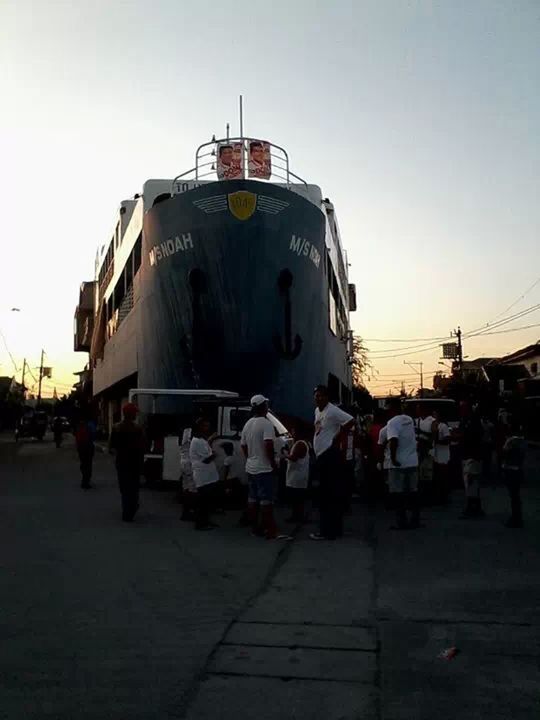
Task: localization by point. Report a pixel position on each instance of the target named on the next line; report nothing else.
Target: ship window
(332, 314)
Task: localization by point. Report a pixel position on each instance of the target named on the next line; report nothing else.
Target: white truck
(169, 426)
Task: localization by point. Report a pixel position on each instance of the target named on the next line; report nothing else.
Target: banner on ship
(259, 160)
(230, 161)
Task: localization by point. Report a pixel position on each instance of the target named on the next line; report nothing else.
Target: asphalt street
(102, 619)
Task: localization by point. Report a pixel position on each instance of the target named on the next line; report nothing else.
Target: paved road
(102, 619)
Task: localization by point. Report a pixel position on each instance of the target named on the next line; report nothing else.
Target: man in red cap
(127, 443)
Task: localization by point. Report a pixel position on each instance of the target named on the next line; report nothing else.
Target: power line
(509, 330)
(403, 354)
(430, 339)
(8, 351)
(535, 283)
(503, 321)
(427, 342)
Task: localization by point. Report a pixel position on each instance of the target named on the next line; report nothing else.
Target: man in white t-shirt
(257, 444)
(205, 474)
(403, 471)
(331, 427)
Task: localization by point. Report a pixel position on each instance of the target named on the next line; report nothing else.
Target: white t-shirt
(327, 425)
(235, 465)
(401, 427)
(441, 453)
(298, 470)
(255, 432)
(383, 441)
(203, 473)
(424, 425)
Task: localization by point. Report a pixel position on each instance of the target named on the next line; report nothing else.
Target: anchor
(290, 349)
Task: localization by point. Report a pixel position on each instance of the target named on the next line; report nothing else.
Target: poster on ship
(259, 161)
(230, 161)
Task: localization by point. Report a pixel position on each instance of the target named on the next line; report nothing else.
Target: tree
(360, 364)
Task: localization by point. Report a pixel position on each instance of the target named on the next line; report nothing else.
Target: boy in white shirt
(205, 474)
(403, 472)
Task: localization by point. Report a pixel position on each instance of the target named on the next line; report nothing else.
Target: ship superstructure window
(121, 301)
(337, 312)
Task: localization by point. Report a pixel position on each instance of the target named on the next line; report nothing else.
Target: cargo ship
(232, 276)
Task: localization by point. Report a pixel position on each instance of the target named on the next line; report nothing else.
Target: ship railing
(206, 166)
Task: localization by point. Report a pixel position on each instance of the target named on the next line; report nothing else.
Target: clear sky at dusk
(420, 120)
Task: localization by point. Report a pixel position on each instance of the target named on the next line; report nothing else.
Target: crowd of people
(405, 461)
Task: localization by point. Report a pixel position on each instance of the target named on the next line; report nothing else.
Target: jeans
(332, 492)
(86, 458)
(128, 482)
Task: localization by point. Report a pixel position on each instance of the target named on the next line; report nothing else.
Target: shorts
(401, 480)
(262, 488)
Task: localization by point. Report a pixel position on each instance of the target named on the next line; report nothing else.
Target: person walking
(58, 431)
(331, 427)
(205, 474)
(513, 458)
(127, 443)
(297, 477)
(403, 471)
(85, 434)
(257, 443)
(471, 434)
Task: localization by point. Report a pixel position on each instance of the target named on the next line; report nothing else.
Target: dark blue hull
(234, 295)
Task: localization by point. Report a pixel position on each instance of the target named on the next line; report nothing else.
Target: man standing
(84, 441)
(127, 442)
(257, 444)
(331, 427)
(513, 458)
(403, 471)
(471, 434)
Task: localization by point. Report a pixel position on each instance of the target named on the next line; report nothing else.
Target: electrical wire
(396, 340)
(500, 323)
(8, 351)
(535, 283)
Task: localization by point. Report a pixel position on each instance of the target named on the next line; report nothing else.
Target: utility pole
(457, 333)
(421, 373)
(40, 376)
(23, 373)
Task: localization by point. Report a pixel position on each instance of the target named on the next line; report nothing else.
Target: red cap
(130, 410)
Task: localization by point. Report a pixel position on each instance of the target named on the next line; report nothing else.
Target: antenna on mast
(241, 117)
(228, 127)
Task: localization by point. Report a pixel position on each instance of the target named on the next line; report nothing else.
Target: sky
(418, 119)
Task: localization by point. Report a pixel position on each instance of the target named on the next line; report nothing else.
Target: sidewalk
(353, 629)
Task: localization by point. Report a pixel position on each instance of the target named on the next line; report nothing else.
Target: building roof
(523, 354)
